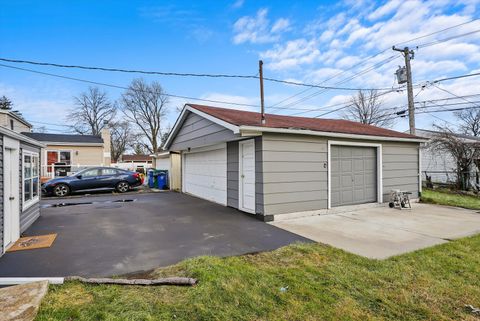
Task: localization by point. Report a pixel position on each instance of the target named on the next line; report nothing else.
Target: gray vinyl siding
(1, 195)
(294, 173)
(30, 214)
(295, 176)
(197, 131)
(400, 168)
(259, 195)
(232, 174)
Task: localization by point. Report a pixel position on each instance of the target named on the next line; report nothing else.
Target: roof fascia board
(72, 144)
(235, 129)
(16, 117)
(20, 137)
(328, 134)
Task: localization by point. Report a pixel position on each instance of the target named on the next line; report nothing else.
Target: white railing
(53, 170)
(132, 166)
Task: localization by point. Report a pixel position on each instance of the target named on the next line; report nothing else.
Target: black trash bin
(61, 169)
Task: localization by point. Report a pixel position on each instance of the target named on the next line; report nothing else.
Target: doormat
(33, 242)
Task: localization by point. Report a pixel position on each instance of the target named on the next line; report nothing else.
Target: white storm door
(247, 176)
(11, 192)
(205, 174)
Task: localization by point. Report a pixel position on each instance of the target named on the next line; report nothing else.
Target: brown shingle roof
(247, 118)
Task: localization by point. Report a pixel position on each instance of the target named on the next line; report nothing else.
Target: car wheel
(61, 190)
(122, 187)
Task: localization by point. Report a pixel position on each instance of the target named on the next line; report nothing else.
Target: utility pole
(262, 105)
(409, 54)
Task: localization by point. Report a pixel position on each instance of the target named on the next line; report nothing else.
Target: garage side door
(206, 175)
(354, 175)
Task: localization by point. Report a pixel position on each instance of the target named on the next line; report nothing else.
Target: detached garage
(290, 164)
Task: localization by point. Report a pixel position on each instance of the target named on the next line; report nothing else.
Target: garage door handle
(11, 198)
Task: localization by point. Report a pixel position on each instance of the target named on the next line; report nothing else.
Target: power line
(123, 87)
(457, 77)
(434, 82)
(51, 124)
(146, 72)
(377, 54)
(287, 82)
(447, 39)
(362, 72)
(449, 92)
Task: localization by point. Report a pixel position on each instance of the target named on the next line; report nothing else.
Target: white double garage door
(205, 174)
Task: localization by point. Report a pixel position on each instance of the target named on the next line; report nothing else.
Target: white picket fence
(53, 170)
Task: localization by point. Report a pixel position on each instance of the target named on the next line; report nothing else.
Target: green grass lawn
(445, 197)
(323, 283)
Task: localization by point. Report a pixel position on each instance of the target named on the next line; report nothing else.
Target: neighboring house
(20, 185)
(134, 162)
(14, 121)
(74, 151)
(170, 161)
(439, 165)
(290, 164)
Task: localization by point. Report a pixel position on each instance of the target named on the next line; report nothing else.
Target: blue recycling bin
(151, 179)
(162, 179)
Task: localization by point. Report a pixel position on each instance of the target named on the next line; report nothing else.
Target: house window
(12, 124)
(56, 156)
(31, 180)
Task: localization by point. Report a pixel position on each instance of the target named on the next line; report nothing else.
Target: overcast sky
(303, 41)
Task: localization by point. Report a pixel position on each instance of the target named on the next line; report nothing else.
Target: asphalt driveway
(156, 229)
(381, 232)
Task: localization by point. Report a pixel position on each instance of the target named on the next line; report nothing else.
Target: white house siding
(439, 165)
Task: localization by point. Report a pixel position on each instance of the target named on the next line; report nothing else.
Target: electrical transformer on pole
(405, 75)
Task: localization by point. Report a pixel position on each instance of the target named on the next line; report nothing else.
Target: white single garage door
(205, 174)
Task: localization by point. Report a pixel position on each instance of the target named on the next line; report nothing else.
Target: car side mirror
(79, 176)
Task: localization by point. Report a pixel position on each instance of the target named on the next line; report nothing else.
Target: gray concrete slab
(381, 232)
(157, 229)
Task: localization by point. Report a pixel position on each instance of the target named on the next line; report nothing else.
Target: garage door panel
(206, 174)
(346, 165)
(353, 175)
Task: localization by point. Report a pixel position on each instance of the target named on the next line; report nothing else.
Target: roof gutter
(23, 138)
(73, 144)
(328, 134)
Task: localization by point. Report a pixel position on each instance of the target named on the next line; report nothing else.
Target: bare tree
(5, 103)
(146, 106)
(366, 108)
(92, 113)
(140, 149)
(122, 138)
(464, 152)
(469, 121)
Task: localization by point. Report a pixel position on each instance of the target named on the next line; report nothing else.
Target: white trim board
(240, 181)
(328, 134)
(379, 167)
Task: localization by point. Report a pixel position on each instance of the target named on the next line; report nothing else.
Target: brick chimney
(105, 133)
